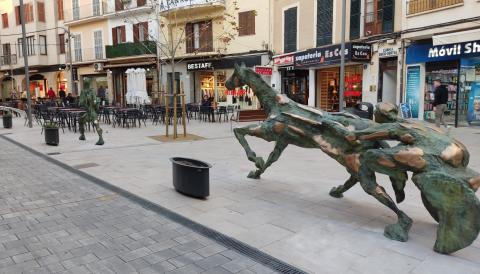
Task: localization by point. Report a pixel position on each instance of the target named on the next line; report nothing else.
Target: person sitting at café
(51, 94)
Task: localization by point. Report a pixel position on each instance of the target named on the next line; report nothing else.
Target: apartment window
(42, 45)
(5, 20)
(60, 9)
(141, 3)
(379, 16)
(61, 43)
(98, 42)
(199, 36)
(28, 9)
(324, 22)
(119, 5)
(96, 7)
(246, 23)
(77, 47)
(119, 35)
(41, 11)
(30, 46)
(75, 10)
(7, 58)
(140, 32)
(290, 30)
(355, 19)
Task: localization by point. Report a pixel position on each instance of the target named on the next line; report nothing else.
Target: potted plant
(7, 119)
(52, 137)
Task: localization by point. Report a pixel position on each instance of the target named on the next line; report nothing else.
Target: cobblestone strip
(55, 220)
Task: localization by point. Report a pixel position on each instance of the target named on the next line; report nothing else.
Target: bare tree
(173, 39)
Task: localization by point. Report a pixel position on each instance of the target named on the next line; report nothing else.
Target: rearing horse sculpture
(291, 123)
(451, 201)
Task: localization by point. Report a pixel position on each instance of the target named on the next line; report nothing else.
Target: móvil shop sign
(354, 52)
(422, 53)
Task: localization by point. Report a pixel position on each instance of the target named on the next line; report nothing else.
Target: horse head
(237, 79)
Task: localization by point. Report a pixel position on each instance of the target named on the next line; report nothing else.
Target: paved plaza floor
(287, 214)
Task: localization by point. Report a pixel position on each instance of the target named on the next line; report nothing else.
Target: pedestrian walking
(440, 102)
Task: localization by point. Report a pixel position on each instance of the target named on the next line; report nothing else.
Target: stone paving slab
(287, 214)
(54, 221)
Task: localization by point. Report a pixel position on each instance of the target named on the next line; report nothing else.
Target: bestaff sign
(268, 71)
(199, 66)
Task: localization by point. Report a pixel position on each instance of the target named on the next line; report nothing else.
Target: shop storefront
(293, 82)
(325, 61)
(209, 77)
(457, 66)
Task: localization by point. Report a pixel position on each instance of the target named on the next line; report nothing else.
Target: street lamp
(25, 58)
(342, 58)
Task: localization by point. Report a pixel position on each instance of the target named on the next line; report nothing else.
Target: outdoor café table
(71, 116)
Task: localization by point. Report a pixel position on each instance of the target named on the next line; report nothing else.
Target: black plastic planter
(191, 177)
(7, 121)
(52, 137)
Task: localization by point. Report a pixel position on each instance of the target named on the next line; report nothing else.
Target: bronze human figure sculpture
(335, 134)
(88, 101)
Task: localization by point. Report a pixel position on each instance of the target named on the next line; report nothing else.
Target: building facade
(442, 40)
(209, 46)
(46, 48)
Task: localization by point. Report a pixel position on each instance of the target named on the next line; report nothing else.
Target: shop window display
(469, 95)
(328, 81)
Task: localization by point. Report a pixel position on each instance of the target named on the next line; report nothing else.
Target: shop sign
(413, 90)
(429, 53)
(199, 66)
(285, 60)
(237, 92)
(356, 52)
(387, 52)
(268, 71)
(175, 4)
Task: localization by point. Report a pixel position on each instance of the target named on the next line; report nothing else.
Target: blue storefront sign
(413, 90)
(422, 53)
(474, 104)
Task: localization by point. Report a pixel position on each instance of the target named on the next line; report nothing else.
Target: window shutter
(136, 32)
(124, 34)
(60, 9)
(290, 30)
(146, 35)
(141, 3)
(206, 36)
(17, 15)
(189, 37)
(41, 11)
(251, 22)
(114, 36)
(354, 19)
(118, 5)
(61, 43)
(242, 23)
(324, 22)
(5, 20)
(388, 16)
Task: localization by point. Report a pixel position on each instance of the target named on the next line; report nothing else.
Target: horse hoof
(253, 175)
(99, 143)
(399, 231)
(336, 193)
(82, 138)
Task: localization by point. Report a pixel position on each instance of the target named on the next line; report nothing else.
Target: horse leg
(99, 130)
(252, 130)
(338, 191)
(369, 163)
(81, 127)
(272, 158)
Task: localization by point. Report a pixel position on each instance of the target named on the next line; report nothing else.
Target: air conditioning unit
(98, 66)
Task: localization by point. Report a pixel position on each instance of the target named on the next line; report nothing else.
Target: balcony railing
(419, 6)
(8, 60)
(131, 49)
(86, 11)
(168, 5)
(88, 55)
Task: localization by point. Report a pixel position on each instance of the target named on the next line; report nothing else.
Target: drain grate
(86, 165)
(54, 153)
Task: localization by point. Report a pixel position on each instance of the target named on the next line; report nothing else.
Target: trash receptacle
(191, 177)
(363, 110)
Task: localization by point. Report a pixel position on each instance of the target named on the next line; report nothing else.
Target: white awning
(456, 37)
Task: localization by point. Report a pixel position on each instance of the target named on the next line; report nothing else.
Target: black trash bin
(191, 177)
(363, 110)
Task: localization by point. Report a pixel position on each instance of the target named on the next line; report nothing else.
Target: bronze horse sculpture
(335, 134)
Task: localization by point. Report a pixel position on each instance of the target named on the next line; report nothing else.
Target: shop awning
(128, 65)
(456, 37)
